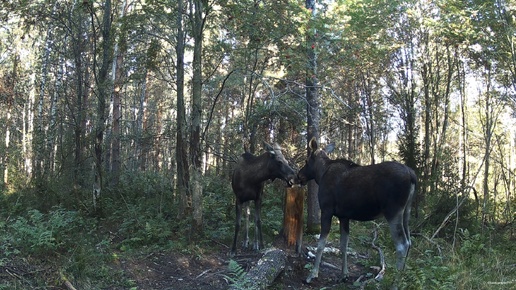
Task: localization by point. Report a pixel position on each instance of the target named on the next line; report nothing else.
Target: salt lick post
(293, 217)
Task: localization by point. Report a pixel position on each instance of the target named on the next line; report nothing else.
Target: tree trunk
(5, 161)
(181, 152)
(265, 272)
(38, 140)
(313, 121)
(81, 86)
(9, 92)
(103, 88)
(293, 217)
(197, 22)
(52, 136)
(141, 124)
(488, 129)
(118, 82)
(157, 160)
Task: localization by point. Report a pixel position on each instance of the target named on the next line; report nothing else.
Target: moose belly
(358, 213)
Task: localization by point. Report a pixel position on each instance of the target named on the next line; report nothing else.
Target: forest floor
(167, 270)
(170, 270)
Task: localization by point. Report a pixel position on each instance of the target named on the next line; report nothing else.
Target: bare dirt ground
(166, 271)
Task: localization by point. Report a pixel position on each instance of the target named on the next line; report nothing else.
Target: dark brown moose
(363, 193)
(248, 180)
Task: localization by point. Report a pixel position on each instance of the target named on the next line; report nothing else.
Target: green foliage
(237, 277)
(219, 208)
(141, 209)
(41, 234)
(140, 231)
(475, 263)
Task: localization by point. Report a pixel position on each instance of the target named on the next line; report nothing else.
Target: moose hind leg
(406, 213)
(400, 239)
(258, 237)
(245, 243)
(344, 238)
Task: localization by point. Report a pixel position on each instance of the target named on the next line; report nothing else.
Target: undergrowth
(237, 278)
(140, 216)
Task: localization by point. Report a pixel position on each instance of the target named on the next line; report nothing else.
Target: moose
(248, 180)
(362, 193)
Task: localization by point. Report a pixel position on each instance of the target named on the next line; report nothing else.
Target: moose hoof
(310, 278)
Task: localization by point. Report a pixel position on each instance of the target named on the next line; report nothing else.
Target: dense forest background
(126, 117)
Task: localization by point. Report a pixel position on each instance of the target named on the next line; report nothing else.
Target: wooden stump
(293, 217)
(265, 272)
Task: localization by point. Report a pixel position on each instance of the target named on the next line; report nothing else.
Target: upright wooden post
(293, 217)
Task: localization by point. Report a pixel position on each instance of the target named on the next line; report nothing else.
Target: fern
(237, 276)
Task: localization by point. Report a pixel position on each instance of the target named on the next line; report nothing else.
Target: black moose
(363, 193)
(248, 180)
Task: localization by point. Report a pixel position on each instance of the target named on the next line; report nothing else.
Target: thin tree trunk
(103, 88)
(5, 161)
(28, 128)
(9, 92)
(39, 137)
(118, 82)
(181, 152)
(141, 124)
(488, 132)
(51, 136)
(370, 116)
(157, 160)
(197, 21)
(81, 91)
(313, 121)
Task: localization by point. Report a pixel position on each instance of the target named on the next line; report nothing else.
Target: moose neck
(261, 171)
(322, 162)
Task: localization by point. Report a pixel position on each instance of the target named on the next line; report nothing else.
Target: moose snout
(300, 179)
(293, 181)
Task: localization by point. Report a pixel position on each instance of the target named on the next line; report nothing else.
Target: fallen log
(265, 272)
(67, 283)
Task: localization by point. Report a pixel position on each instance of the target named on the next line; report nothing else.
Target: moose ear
(329, 148)
(269, 148)
(312, 145)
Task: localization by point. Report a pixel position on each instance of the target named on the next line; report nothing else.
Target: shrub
(40, 233)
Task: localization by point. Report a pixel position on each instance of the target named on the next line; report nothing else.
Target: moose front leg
(325, 229)
(238, 216)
